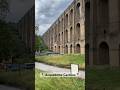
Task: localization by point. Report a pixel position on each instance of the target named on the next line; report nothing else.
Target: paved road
(56, 70)
(2, 87)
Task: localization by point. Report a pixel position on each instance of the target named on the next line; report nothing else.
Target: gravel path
(2, 87)
(56, 70)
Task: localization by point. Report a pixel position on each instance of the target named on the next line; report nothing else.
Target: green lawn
(103, 79)
(58, 83)
(23, 79)
(63, 60)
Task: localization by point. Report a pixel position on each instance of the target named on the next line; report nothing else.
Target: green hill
(39, 43)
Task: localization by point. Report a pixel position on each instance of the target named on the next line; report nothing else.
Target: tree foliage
(11, 45)
(39, 43)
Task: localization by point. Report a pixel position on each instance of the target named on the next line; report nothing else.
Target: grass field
(58, 83)
(103, 79)
(63, 60)
(23, 79)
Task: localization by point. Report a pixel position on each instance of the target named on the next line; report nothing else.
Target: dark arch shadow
(103, 54)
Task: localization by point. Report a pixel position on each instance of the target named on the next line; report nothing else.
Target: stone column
(92, 28)
(114, 28)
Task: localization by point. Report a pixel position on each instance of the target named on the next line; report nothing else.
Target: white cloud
(47, 11)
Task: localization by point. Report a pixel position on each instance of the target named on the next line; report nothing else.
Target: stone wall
(102, 32)
(27, 30)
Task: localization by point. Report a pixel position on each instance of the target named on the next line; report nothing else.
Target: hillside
(39, 43)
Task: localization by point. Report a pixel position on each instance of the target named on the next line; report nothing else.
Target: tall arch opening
(59, 49)
(78, 48)
(71, 16)
(59, 38)
(55, 49)
(66, 35)
(78, 9)
(66, 20)
(103, 54)
(87, 54)
(71, 34)
(62, 37)
(78, 31)
(66, 49)
(87, 19)
(70, 48)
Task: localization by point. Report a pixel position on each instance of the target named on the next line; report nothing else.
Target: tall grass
(103, 79)
(63, 60)
(58, 83)
(24, 79)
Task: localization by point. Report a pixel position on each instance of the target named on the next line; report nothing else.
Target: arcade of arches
(94, 22)
(66, 35)
(102, 32)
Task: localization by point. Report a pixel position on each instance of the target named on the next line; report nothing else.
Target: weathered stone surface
(66, 35)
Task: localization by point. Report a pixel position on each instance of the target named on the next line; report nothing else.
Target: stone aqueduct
(91, 27)
(66, 35)
(102, 35)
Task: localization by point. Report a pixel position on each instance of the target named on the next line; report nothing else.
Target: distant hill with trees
(39, 43)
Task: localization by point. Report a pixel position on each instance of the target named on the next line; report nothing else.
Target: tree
(39, 43)
(11, 46)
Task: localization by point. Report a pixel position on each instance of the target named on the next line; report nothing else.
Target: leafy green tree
(11, 46)
(39, 43)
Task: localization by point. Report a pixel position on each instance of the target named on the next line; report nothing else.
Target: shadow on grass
(102, 78)
(21, 79)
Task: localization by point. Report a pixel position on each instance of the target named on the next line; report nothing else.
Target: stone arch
(59, 49)
(103, 54)
(59, 38)
(71, 34)
(71, 16)
(66, 20)
(104, 11)
(78, 31)
(52, 48)
(66, 36)
(71, 48)
(55, 38)
(62, 37)
(87, 19)
(66, 49)
(78, 48)
(87, 54)
(55, 49)
(78, 9)
(78, 4)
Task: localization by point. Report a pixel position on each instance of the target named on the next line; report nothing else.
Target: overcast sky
(47, 11)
